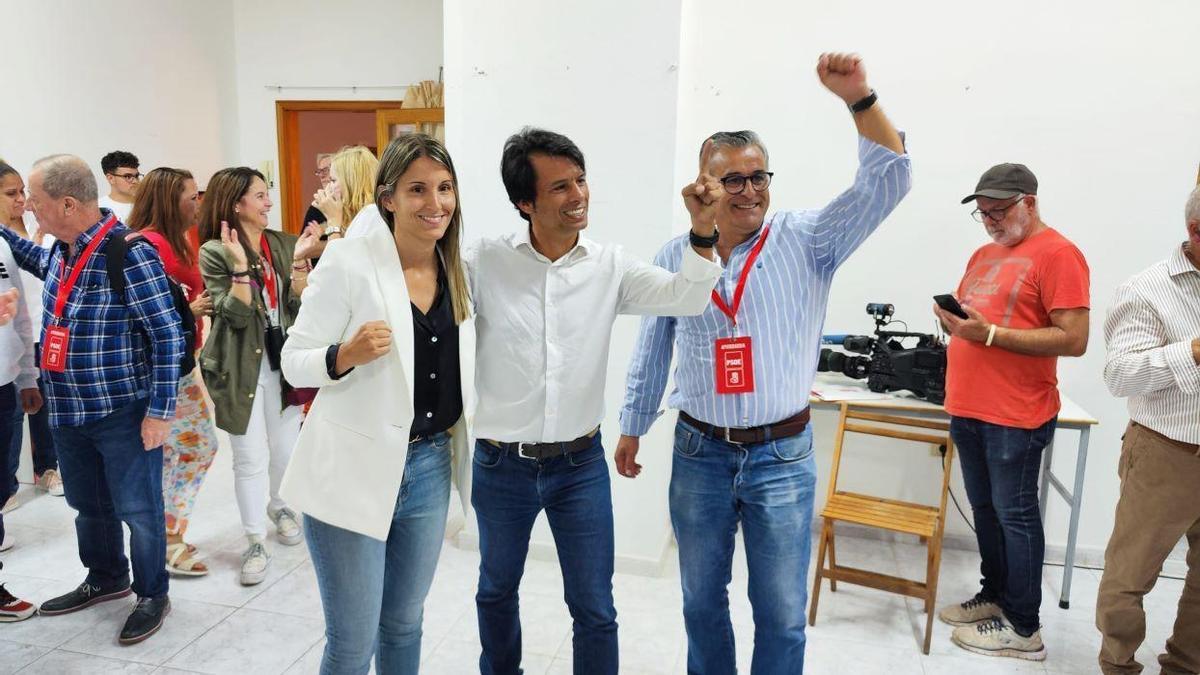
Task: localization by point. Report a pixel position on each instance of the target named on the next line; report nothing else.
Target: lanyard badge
(734, 357)
(735, 366)
(58, 336)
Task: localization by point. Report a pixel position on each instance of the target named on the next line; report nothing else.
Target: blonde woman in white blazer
(378, 333)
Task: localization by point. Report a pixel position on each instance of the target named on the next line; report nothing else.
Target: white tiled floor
(218, 626)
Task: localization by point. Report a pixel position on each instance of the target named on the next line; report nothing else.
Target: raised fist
(701, 198)
(844, 75)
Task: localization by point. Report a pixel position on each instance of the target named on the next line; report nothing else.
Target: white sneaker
(996, 637)
(970, 612)
(287, 528)
(51, 482)
(8, 542)
(10, 505)
(255, 562)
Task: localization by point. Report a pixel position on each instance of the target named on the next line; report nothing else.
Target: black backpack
(114, 253)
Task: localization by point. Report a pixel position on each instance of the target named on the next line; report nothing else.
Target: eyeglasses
(736, 183)
(131, 177)
(321, 173)
(996, 215)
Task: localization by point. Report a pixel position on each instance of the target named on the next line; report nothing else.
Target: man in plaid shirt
(110, 387)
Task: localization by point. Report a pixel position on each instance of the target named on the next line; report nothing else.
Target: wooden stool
(927, 522)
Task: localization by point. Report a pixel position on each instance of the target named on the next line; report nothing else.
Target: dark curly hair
(118, 159)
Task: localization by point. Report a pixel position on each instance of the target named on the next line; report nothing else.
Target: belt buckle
(728, 439)
(521, 450)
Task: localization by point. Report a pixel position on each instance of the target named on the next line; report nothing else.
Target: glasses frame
(979, 214)
(129, 177)
(746, 180)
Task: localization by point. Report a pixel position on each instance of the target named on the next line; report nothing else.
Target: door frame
(384, 119)
(287, 125)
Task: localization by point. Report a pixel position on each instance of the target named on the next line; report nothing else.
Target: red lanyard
(269, 273)
(66, 282)
(729, 311)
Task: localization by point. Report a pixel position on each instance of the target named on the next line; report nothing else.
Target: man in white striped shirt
(1153, 336)
(743, 449)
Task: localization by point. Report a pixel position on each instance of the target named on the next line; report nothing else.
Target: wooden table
(1071, 417)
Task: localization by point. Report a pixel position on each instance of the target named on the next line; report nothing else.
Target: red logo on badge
(54, 349)
(735, 366)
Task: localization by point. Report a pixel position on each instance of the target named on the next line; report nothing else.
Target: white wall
(154, 78)
(586, 71)
(1100, 99)
(1068, 89)
(307, 43)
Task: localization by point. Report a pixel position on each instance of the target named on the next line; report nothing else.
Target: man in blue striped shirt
(743, 450)
(110, 383)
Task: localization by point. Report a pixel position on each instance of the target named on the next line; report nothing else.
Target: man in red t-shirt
(1026, 297)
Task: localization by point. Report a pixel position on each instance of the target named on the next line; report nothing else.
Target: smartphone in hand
(948, 303)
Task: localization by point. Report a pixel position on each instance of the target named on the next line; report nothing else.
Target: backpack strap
(114, 259)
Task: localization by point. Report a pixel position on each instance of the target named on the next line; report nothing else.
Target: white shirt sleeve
(1140, 359)
(322, 321)
(651, 290)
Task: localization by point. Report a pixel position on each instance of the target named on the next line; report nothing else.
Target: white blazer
(349, 459)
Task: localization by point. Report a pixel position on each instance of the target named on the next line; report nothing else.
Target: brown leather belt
(1190, 448)
(545, 450)
(748, 435)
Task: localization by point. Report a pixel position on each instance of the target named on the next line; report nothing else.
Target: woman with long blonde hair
(165, 208)
(378, 333)
(351, 189)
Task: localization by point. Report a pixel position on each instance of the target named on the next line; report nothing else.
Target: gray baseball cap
(1004, 181)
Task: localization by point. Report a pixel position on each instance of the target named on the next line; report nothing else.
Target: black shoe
(83, 597)
(145, 620)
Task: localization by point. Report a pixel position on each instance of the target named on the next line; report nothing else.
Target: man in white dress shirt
(1153, 336)
(545, 299)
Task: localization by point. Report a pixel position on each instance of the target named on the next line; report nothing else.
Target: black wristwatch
(704, 242)
(864, 103)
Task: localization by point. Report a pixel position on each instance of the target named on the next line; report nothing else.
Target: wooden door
(293, 201)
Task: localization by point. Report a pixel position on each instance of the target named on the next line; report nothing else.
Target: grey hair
(67, 176)
(735, 139)
(1192, 210)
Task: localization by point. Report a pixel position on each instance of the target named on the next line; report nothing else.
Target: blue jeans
(373, 592)
(8, 428)
(109, 478)
(1000, 467)
(41, 442)
(508, 493)
(768, 488)
(10, 435)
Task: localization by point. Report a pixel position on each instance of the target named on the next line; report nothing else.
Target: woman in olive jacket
(255, 276)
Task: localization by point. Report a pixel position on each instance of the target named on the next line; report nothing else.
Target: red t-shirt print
(1014, 287)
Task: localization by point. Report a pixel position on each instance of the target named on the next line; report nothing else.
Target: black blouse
(437, 380)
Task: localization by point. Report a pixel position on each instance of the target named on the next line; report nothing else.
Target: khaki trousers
(1159, 504)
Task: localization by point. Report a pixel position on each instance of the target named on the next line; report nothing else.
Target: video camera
(887, 364)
